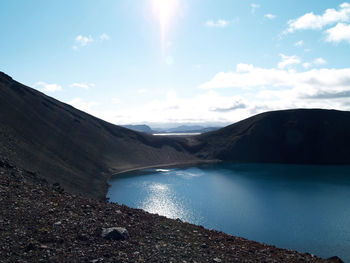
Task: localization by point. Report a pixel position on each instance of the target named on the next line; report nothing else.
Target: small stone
(217, 260)
(30, 247)
(204, 245)
(115, 233)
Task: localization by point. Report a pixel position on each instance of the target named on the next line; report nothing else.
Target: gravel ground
(42, 223)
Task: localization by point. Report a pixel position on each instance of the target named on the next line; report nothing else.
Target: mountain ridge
(71, 147)
(296, 136)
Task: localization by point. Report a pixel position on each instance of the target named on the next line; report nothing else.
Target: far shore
(180, 134)
(170, 165)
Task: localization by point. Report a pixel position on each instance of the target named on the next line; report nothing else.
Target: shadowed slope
(302, 136)
(71, 147)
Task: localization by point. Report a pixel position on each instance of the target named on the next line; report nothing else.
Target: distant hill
(179, 129)
(68, 146)
(301, 136)
(192, 129)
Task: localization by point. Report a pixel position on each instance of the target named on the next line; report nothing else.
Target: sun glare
(164, 11)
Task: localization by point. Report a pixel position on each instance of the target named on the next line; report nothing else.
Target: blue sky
(180, 61)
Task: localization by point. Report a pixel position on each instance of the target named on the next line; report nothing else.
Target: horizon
(157, 62)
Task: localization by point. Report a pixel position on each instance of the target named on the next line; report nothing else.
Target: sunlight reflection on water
(162, 170)
(162, 200)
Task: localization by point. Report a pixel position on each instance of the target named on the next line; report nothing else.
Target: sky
(180, 61)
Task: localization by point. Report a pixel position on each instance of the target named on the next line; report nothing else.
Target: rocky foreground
(42, 223)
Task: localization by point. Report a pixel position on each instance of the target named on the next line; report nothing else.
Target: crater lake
(299, 207)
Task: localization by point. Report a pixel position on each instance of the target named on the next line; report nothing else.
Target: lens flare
(164, 11)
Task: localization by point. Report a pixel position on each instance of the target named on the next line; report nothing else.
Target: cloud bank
(46, 87)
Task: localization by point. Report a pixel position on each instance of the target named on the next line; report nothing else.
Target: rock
(56, 187)
(204, 245)
(217, 260)
(115, 233)
(30, 247)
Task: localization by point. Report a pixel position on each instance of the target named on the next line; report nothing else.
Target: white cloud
(264, 89)
(270, 16)
(254, 7)
(104, 37)
(217, 23)
(312, 21)
(83, 105)
(288, 60)
(307, 65)
(319, 61)
(241, 67)
(206, 107)
(82, 85)
(43, 86)
(340, 32)
(260, 89)
(255, 77)
(83, 40)
(316, 62)
(270, 89)
(299, 43)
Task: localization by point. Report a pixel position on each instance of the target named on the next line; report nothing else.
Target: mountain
(192, 129)
(178, 129)
(70, 147)
(140, 128)
(186, 129)
(301, 136)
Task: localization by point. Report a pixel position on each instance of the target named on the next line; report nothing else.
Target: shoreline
(172, 165)
(175, 164)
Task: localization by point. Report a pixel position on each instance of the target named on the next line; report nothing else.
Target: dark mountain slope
(302, 136)
(71, 147)
(139, 128)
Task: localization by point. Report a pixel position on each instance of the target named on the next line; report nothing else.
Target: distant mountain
(179, 129)
(302, 136)
(139, 128)
(192, 129)
(73, 148)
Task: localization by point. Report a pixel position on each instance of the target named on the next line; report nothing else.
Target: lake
(306, 208)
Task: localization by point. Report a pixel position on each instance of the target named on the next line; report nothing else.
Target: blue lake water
(306, 208)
